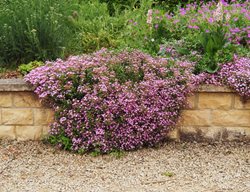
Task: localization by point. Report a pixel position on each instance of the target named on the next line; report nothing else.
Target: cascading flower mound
(112, 101)
(236, 75)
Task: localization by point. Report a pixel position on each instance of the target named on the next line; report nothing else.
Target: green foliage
(33, 30)
(26, 68)
(116, 6)
(65, 141)
(93, 28)
(168, 174)
(96, 153)
(3, 69)
(211, 43)
(49, 29)
(117, 154)
(125, 72)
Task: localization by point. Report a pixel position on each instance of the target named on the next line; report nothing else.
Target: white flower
(218, 14)
(228, 16)
(149, 16)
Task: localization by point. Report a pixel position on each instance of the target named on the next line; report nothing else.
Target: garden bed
(215, 113)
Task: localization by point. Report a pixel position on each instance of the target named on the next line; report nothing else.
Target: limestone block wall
(215, 113)
(22, 116)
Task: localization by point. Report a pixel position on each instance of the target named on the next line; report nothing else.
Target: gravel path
(34, 166)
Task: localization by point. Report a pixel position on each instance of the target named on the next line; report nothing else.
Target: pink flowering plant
(125, 100)
(112, 101)
(210, 33)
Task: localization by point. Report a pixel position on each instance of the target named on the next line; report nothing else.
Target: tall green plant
(33, 29)
(93, 27)
(212, 42)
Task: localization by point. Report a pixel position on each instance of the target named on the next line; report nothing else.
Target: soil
(10, 75)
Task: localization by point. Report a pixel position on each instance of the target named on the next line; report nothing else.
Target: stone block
(231, 118)
(215, 89)
(195, 117)
(188, 129)
(45, 131)
(7, 132)
(5, 99)
(174, 134)
(236, 133)
(14, 116)
(215, 101)
(25, 99)
(43, 116)
(202, 133)
(192, 102)
(24, 133)
(190, 133)
(238, 104)
(214, 133)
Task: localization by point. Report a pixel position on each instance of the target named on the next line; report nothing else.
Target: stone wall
(215, 113)
(22, 116)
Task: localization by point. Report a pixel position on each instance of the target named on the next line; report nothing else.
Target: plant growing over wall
(112, 101)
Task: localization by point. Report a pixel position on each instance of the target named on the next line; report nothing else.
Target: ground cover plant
(112, 101)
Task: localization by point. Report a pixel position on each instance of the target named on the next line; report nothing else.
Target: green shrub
(26, 68)
(49, 29)
(33, 30)
(93, 27)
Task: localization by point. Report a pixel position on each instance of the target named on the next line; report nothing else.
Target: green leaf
(168, 174)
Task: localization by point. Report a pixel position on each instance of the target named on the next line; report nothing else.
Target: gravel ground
(34, 166)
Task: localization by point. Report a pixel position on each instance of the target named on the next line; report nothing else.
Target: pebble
(195, 167)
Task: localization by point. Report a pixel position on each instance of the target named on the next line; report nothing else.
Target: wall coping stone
(14, 85)
(21, 85)
(214, 89)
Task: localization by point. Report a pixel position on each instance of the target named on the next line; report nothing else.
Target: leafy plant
(26, 68)
(33, 30)
(112, 101)
(212, 42)
(168, 174)
(117, 154)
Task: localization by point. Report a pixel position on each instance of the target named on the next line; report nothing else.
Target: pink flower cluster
(113, 101)
(122, 101)
(235, 75)
(234, 17)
